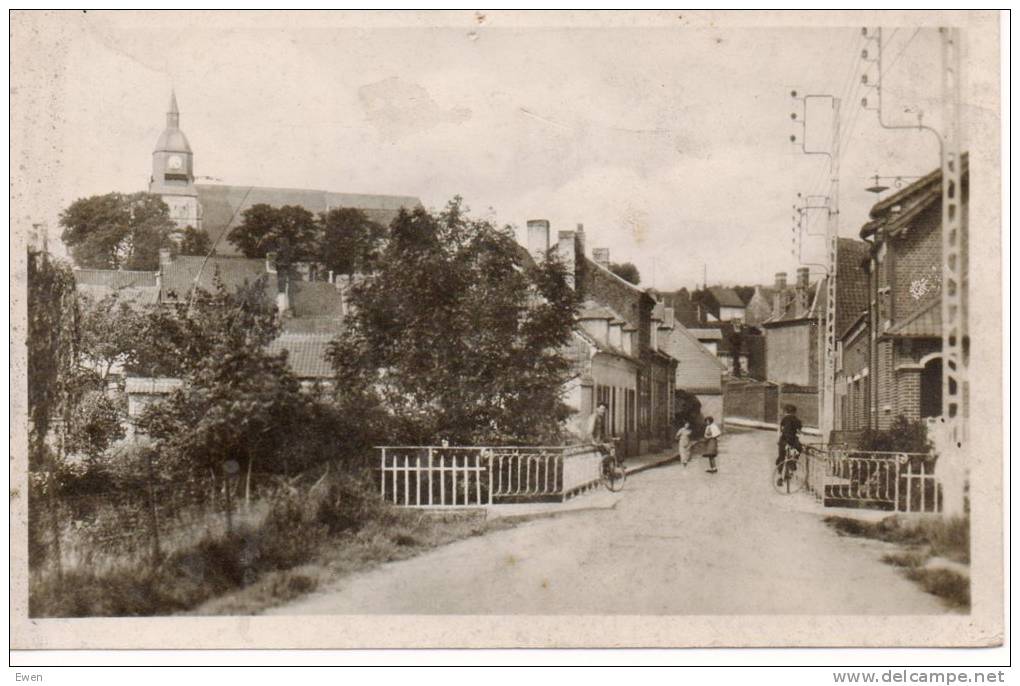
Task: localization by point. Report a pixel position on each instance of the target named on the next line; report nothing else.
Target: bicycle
(787, 478)
(613, 471)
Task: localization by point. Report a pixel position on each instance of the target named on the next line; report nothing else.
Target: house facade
(901, 329)
(617, 347)
(698, 370)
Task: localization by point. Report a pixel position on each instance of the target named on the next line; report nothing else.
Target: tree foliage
(239, 404)
(457, 334)
(349, 241)
(52, 344)
(904, 435)
(290, 231)
(117, 230)
(194, 242)
(626, 271)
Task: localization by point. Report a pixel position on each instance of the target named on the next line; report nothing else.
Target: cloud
(399, 109)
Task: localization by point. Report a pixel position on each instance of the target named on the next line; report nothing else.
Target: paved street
(681, 541)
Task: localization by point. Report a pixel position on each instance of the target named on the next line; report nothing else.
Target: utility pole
(827, 366)
(955, 387)
(951, 439)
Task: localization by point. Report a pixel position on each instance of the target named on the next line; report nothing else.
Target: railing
(459, 476)
(901, 482)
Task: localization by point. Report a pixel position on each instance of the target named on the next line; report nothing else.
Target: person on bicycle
(789, 433)
(597, 428)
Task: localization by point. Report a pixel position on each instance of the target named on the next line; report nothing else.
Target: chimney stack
(601, 256)
(580, 240)
(780, 280)
(538, 238)
(165, 257)
(803, 277)
(566, 249)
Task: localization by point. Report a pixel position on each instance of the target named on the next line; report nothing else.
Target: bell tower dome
(173, 173)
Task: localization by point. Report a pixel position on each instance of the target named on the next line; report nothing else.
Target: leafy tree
(240, 408)
(735, 338)
(745, 293)
(290, 231)
(626, 271)
(456, 335)
(108, 332)
(171, 342)
(52, 346)
(117, 231)
(195, 242)
(95, 423)
(349, 242)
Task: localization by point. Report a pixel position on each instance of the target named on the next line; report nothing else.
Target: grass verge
(922, 541)
(309, 536)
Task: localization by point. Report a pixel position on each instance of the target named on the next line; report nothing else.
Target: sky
(666, 135)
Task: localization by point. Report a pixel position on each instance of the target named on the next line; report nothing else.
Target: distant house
(762, 304)
(698, 370)
(136, 288)
(792, 335)
(724, 304)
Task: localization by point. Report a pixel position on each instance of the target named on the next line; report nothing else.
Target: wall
(791, 353)
(750, 400)
(727, 314)
(917, 264)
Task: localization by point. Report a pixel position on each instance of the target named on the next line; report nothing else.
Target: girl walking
(711, 440)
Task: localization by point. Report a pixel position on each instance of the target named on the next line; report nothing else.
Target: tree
(172, 342)
(117, 231)
(289, 231)
(456, 335)
(195, 242)
(626, 271)
(108, 332)
(239, 404)
(52, 344)
(349, 241)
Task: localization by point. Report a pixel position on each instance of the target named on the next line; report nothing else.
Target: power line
(902, 50)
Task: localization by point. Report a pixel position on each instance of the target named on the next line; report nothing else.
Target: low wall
(763, 401)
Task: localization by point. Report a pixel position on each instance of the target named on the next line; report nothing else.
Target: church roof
(223, 205)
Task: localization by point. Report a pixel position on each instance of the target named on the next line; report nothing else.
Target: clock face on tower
(174, 162)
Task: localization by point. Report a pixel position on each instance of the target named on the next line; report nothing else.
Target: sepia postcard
(506, 329)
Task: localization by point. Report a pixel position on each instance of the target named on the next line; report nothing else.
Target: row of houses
(887, 324)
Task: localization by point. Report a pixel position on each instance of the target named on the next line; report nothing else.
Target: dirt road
(681, 541)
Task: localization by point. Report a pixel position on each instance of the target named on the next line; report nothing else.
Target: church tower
(173, 172)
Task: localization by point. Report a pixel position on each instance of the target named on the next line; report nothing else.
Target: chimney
(780, 280)
(283, 298)
(803, 277)
(566, 249)
(538, 238)
(580, 240)
(601, 256)
(271, 262)
(165, 257)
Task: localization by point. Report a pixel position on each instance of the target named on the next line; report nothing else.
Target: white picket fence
(900, 482)
(474, 476)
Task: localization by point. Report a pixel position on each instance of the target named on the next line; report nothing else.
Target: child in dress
(683, 439)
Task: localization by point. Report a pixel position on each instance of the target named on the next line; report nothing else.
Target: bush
(904, 436)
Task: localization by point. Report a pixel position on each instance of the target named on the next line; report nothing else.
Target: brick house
(901, 330)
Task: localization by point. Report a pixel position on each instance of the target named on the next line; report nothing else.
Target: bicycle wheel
(613, 476)
(787, 478)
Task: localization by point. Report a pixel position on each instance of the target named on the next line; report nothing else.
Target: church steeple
(173, 174)
(173, 115)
